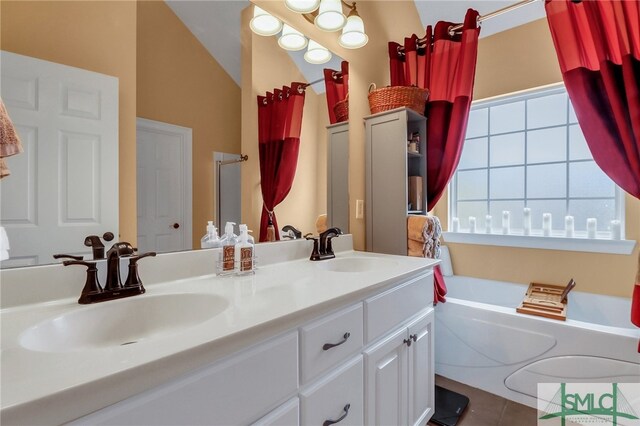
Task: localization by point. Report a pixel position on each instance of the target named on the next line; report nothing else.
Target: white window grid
(526, 95)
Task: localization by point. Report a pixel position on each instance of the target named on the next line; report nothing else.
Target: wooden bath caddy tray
(546, 300)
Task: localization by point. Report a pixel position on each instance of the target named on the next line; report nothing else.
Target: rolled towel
(4, 244)
(321, 223)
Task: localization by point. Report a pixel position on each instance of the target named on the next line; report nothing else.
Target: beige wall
(514, 60)
(97, 36)
(180, 83)
(265, 66)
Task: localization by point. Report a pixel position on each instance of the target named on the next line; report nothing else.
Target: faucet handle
(91, 285)
(133, 279)
(67, 256)
(315, 254)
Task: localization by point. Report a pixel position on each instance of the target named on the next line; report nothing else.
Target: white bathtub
(482, 341)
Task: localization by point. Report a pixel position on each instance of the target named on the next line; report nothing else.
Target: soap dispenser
(244, 252)
(229, 241)
(210, 239)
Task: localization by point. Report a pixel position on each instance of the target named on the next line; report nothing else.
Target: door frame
(186, 134)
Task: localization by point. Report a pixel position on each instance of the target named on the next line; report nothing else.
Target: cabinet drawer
(328, 398)
(385, 311)
(237, 390)
(316, 353)
(285, 415)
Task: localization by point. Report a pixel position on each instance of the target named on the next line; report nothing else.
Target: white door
(163, 186)
(64, 186)
(386, 381)
(421, 370)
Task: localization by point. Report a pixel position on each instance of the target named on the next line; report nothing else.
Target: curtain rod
(335, 75)
(495, 13)
(238, 160)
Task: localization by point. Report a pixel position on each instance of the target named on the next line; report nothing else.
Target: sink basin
(356, 264)
(122, 322)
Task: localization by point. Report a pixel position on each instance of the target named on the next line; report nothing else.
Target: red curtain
(446, 65)
(337, 87)
(279, 126)
(598, 47)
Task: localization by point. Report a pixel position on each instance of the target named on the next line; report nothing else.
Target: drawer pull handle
(328, 346)
(339, 419)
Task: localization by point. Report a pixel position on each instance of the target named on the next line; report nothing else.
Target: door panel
(163, 186)
(386, 381)
(421, 370)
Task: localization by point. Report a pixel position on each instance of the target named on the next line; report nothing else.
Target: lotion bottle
(210, 239)
(229, 241)
(244, 252)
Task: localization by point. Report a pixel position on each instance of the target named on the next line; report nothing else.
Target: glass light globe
(330, 16)
(316, 53)
(302, 6)
(292, 39)
(263, 23)
(353, 35)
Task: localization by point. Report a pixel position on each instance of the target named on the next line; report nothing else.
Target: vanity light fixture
(316, 53)
(330, 16)
(302, 6)
(263, 23)
(353, 35)
(292, 39)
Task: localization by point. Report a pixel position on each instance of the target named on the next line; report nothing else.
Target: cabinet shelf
(414, 154)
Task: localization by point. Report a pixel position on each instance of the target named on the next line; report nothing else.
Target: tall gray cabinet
(338, 176)
(388, 165)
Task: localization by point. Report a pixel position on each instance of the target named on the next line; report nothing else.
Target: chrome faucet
(322, 245)
(113, 289)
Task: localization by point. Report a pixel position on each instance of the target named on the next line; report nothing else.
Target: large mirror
(136, 117)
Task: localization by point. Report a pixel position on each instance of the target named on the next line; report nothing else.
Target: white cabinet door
(421, 369)
(386, 381)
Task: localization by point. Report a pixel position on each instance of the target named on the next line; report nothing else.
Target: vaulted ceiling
(216, 23)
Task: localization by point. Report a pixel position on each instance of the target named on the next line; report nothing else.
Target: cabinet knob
(407, 341)
(413, 337)
(339, 419)
(328, 346)
(175, 226)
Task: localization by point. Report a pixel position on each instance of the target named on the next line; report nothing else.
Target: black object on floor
(449, 407)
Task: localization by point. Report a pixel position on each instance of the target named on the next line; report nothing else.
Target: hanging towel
(426, 243)
(4, 244)
(9, 140)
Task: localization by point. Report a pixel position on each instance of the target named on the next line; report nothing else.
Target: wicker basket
(393, 97)
(341, 110)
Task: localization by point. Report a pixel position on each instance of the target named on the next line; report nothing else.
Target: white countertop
(53, 388)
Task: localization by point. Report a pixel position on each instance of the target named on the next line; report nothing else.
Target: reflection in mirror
(124, 78)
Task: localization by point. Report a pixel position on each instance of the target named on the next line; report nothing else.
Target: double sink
(150, 316)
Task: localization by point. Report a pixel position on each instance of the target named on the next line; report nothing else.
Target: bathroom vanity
(347, 340)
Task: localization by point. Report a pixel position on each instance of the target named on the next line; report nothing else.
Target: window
(527, 150)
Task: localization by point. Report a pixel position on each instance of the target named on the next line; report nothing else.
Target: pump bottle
(244, 252)
(210, 239)
(229, 241)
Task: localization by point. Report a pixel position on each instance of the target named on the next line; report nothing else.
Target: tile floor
(487, 409)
